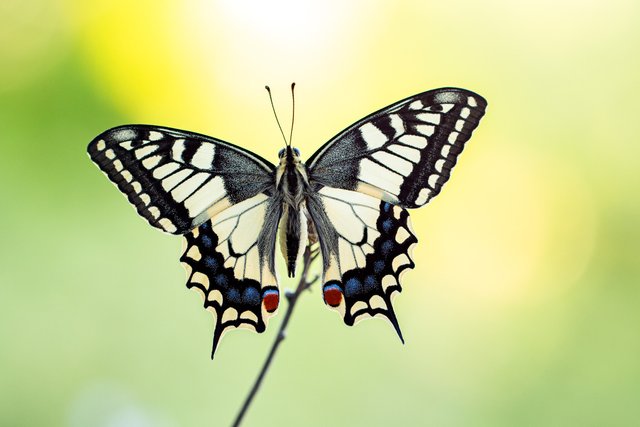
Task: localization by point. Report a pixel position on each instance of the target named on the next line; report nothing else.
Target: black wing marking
(230, 260)
(366, 246)
(403, 153)
(177, 179)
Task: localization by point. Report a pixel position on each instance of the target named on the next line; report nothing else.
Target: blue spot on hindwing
(251, 296)
(387, 225)
(386, 247)
(221, 280)
(210, 262)
(386, 206)
(378, 266)
(206, 241)
(269, 292)
(233, 295)
(370, 283)
(331, 286)
(352, 287)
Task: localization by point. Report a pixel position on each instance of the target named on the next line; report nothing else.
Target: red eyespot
(271, 299)
(333, 296)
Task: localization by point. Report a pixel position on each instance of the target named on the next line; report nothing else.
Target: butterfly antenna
(274, 113)
(293, 110)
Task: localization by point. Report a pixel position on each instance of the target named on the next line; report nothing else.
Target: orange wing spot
(271, 299)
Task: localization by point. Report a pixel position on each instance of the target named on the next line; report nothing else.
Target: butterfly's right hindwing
(176, 179)
(229, 259)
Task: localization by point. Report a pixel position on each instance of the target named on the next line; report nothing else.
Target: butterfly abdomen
(293, 236)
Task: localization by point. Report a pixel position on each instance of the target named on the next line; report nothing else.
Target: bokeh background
(523, 309)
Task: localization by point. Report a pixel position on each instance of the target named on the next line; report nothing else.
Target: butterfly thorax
(292, 183)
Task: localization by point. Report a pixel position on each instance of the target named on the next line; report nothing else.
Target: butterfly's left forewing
(403, 153)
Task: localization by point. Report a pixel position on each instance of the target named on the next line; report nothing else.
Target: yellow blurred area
(523, 305)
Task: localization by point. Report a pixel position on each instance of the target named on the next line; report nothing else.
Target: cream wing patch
(352, 214)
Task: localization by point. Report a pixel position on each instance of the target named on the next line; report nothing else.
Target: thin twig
(292, 298)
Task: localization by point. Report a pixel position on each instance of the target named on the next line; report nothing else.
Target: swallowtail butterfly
(352, 196)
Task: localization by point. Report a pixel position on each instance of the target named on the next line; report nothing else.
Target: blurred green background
(523, 309)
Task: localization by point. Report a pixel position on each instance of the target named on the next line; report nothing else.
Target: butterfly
(351, 196)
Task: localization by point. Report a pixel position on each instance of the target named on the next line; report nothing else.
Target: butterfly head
(289, 153)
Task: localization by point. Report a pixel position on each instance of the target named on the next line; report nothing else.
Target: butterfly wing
(176, 179)
(403, 153)
(398, 157)
(366, 246)
(216, 194)
(229, 259)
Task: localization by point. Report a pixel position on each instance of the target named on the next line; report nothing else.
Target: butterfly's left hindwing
(229, 259)
(366, 246)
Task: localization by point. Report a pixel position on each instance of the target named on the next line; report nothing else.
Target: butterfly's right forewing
(177, 179)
